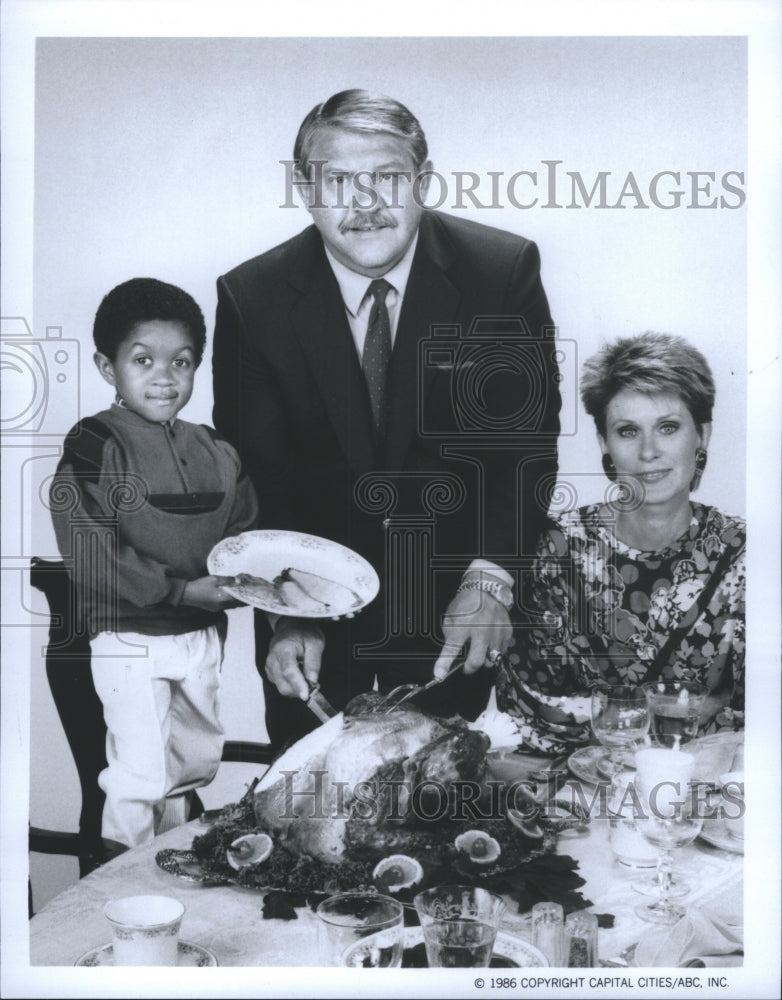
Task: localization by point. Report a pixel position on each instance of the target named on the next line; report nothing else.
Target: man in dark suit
(389, 378)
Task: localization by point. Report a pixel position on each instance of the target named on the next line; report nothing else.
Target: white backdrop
(160, 157)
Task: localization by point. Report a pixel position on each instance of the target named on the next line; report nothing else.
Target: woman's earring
(608, 467)
(701, 455)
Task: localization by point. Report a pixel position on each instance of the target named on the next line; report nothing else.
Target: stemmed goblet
(670, 815)
(675, 708)
(620, 721)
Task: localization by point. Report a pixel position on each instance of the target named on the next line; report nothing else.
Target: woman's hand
(207, 593)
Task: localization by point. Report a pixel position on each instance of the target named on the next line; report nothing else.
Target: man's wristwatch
(500, 591)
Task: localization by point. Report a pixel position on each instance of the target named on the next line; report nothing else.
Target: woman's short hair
(651, 363)
(361, 111)
(142, 300)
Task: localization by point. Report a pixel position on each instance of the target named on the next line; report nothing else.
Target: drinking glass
(360, 929)
(631, 849)
(670, 771)
(670, 816)
(620, 721)
(674, 709)
(460, 925)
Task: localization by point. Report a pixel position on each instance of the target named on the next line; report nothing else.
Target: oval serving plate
(266, 554)
(186, 865)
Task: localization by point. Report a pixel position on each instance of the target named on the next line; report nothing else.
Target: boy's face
(154, 369)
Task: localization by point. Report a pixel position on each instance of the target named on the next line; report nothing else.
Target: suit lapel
(321, 327)
(430, 298)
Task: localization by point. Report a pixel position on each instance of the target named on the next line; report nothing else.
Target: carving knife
(319, 706)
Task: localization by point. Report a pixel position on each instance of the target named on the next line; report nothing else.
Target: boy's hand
(207, 593)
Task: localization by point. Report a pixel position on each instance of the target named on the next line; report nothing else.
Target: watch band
(499, 591)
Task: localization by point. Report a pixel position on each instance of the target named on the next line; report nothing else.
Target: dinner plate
(189, 954)
(509, 950)
(266, 554)
(583, 763)
(715, 832)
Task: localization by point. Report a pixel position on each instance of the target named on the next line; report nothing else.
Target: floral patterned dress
(598, 611)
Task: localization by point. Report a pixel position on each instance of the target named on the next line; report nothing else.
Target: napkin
(700, 934)
(499, 727)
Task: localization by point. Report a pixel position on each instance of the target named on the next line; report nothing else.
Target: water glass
(631, 849)
(670, 816)
(360, 929)
(581, 940)
(620, 721)
(548, 921)
(460, 925)
(145, 929)
(675, 709)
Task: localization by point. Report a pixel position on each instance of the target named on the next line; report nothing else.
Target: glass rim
(619, 692)
(457, 886)
(480, 896)
(661, 687)
(375, 897)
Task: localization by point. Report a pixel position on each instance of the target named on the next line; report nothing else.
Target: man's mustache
(363, 221)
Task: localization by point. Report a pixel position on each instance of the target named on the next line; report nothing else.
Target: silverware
(319, 705)
(408, 691)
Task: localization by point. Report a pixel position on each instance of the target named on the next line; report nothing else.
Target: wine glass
(675, 709)
(620, 721)
(670, 816)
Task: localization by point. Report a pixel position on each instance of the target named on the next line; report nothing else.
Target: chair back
(80, 710)
(81, 713)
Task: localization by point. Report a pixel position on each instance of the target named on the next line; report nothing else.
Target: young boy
(138, 501)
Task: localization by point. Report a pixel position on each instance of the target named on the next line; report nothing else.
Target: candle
(663, 776)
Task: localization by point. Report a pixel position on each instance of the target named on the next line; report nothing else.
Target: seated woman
(648, 586)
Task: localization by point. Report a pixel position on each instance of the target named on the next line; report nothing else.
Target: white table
(228, 920)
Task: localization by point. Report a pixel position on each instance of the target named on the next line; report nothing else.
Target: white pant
(164, 734)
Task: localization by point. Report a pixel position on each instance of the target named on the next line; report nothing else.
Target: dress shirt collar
(353, 286)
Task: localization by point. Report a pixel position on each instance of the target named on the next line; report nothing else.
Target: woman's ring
(492, 656)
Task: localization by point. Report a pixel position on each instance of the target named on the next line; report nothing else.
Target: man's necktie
(377, 351)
